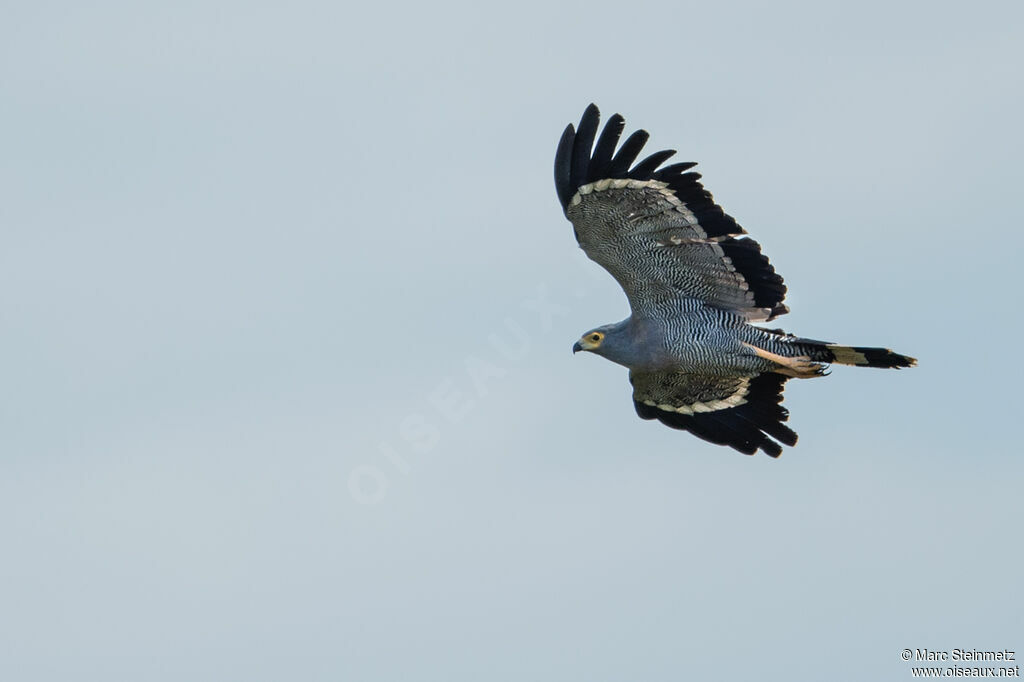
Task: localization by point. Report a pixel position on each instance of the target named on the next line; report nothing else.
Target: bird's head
(591, 341)
(616, 342)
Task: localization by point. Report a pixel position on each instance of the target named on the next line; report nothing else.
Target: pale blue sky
(251, 248)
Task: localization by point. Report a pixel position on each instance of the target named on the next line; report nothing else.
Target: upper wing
(744, 413)
(658, 231)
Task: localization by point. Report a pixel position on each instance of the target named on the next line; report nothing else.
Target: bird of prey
(694, 287)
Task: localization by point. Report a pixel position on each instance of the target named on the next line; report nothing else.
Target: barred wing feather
(655, 228)
(744, 413)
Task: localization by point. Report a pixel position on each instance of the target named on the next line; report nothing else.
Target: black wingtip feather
(579, 161)
(686, 186)
(602, 157)
(644, 169)
(766, 285)
(563, 166)
(671, 171)
(746, 428)
(627, 154)
(585, 133)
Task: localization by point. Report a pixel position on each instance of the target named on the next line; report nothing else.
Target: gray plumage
(694, 286)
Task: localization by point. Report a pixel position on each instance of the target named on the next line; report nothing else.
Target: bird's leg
(801, 366)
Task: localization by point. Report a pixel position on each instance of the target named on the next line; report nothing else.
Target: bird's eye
(595, 337)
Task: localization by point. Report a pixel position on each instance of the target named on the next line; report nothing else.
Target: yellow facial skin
(591, 341)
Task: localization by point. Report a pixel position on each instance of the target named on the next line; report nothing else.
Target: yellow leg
(801, 367)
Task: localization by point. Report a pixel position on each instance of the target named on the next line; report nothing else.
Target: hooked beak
(576, 348)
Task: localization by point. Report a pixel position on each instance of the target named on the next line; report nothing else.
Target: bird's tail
(859, 356)
(813, 355)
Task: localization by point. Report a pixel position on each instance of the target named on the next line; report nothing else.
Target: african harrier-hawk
(694, 286)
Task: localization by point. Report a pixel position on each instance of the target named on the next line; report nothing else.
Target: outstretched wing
(655, 228)
(745, 413)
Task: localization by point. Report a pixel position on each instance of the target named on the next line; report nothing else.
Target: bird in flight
(694, 286)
